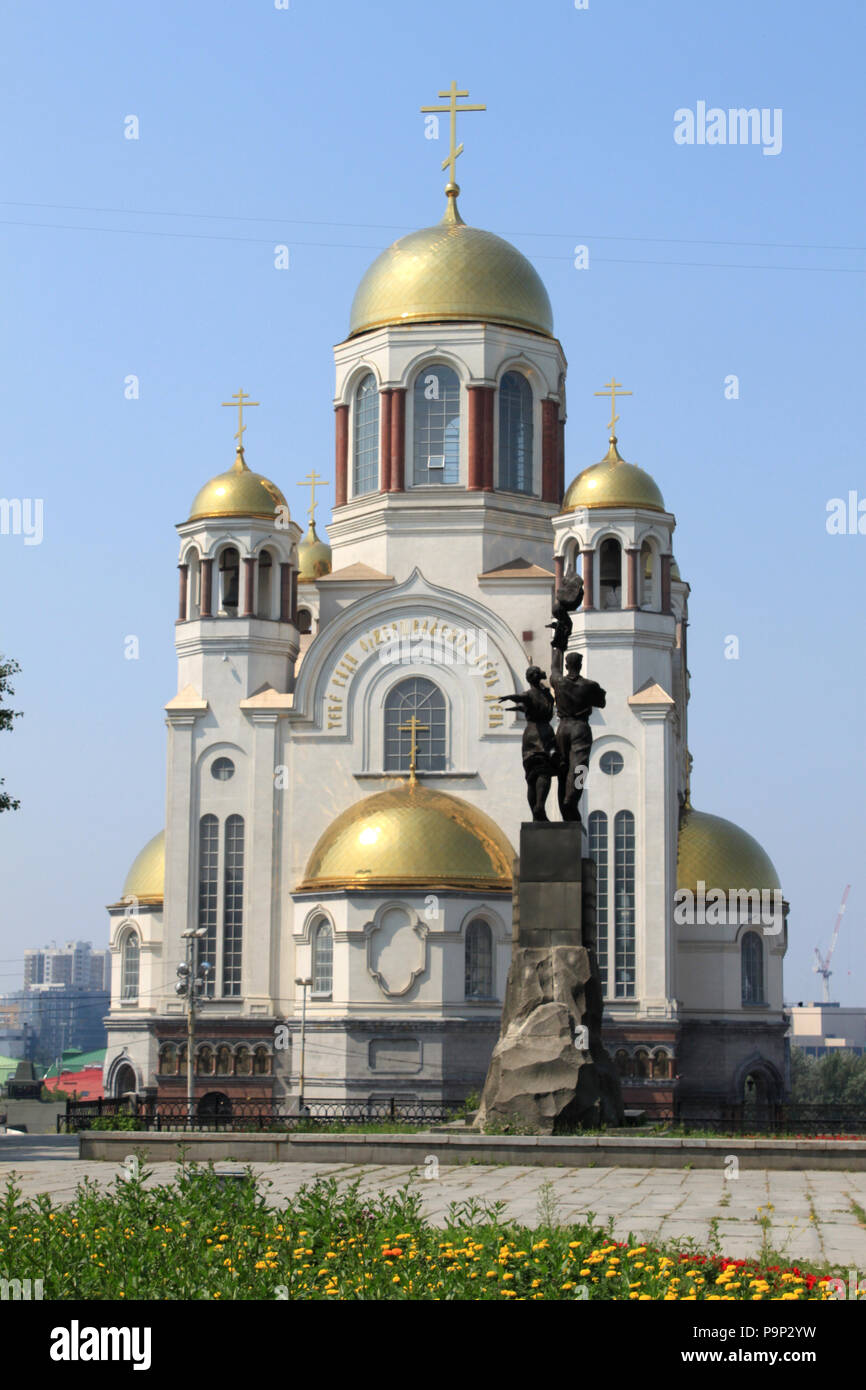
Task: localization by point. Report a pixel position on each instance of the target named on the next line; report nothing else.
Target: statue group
(562, 752)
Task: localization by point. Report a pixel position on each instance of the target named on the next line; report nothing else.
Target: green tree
(8, 668)
(837, 1078)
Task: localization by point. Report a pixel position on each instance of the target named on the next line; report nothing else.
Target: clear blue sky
(261, 126)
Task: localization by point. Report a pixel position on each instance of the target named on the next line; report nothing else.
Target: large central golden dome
(411, 837)
(451, 271)
(720, 854)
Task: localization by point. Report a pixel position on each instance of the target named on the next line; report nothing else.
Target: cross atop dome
(452, 188)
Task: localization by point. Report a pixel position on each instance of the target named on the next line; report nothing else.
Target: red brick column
(341, 438)
(249, 585)
(285, 593)
(293, 597)
(632, 557)
(206, 588)
(558, 566)
(184, 590)
(667, 561)
(397, 480)
(475, 413)
(549, 451)
(385, 398)
(588, 585)
(488, 398)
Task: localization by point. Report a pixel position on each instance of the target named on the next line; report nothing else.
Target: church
(344, 789)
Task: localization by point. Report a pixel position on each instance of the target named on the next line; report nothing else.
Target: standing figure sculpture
(576, 698)
(540, 759)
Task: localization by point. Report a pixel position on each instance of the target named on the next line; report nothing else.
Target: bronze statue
(540, 759)
(576, 698)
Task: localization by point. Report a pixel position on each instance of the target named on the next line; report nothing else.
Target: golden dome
(613, 483)
(721, 855)
(146, 879)
(239, 492)
(451, 271)
(314, 557)
(411, 837)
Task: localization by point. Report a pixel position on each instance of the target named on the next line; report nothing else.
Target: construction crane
(822, 963)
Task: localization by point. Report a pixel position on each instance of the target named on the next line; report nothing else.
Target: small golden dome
(613, 483)
(239, 492)
(720, 854)
(146, 878)
(314, 557)
(451, 271)
(411, 837)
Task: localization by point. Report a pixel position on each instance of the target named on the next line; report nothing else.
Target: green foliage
(8, 668)
(837, 1078)
(115, 1122)
(202, 1236)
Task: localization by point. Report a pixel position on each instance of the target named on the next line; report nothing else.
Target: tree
(8, 668)
(837, 1078)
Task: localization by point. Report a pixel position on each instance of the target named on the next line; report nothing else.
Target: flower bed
(201, 1237)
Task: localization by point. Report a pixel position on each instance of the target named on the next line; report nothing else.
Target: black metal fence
(783, 1119)
(251, 1115)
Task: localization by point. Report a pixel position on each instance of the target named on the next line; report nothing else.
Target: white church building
(343, 791)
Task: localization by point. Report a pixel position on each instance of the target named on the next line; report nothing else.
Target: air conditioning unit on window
(436, 461)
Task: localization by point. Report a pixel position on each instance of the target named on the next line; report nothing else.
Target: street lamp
(305, 982)
(192, 977)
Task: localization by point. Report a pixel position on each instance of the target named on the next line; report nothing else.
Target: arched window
(752, 965)
(208, 888)
(647, 572)
(130, 961)
(266, 570)
(224, 1061)
(243, 1062)
(662, 1065)
(515, 433)
(598, 852)
(124, 1081)
(479, 960)
(323, 959)
(641, 1063)
(168, 1059)
(205, 1061)
(365, 474)
(305, 621)
(230, 575)
(425, 700)
(261, 1061)
(610, 573)
(437, 426)
(622, 1062)
(624, 903)
(233, 905)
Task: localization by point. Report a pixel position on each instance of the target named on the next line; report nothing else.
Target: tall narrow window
(598, 852)
(323, 959)
(479, 960)
(130, 957)
(647, 576)
(208, 889)
(265, 568)
(624, 904)
(752, 964)
(425, 700)
(233, 905)
(515, 433)
(437, 426)
(610, 573)
(230, 578)
(365, 474)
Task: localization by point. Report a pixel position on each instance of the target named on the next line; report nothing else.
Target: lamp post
(193, 976)
(304, 982)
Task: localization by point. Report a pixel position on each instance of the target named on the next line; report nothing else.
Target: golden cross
(415, 729)
(613, 386)
(240, 400)
(452, 94)
(311, 481)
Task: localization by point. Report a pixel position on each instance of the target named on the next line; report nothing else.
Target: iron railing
(256, 1115)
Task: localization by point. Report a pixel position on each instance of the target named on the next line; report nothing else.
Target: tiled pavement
(812, 1215)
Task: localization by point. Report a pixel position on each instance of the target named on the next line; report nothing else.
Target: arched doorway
(758, 1097)
(124, 1080)
(214, 1106)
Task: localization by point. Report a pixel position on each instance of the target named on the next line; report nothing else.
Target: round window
(611, 763)
(223, 769)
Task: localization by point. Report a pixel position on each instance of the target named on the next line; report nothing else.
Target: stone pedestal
(549, 1070)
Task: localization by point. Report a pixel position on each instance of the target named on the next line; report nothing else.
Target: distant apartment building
(821, 1028)
(75, 964)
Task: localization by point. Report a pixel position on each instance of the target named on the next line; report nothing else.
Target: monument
(549, 1070)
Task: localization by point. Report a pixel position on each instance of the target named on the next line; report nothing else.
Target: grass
(198, 1237)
